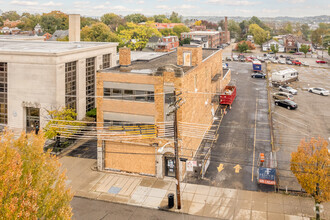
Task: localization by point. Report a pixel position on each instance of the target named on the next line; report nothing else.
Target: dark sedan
(286, 104)
(258, 75)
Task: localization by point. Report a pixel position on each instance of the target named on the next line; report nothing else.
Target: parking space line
(263, 140)
(254, 138)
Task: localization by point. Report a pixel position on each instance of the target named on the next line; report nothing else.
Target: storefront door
(32, 118)
(170, 166)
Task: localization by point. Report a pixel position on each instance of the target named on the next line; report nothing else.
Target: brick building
(134, 98)
(161, 26)
(213, 37)
(167, 44)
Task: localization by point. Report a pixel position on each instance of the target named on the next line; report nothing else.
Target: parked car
(305, 63)
(242, 59)
(271, 52)
(225, 65)
(286, 104)
(321, 61)
(288, 89)
(296, 62)
(281, 61)
(274, 61)
(235, 58)
(282, 56)
(248, 59)
(288, 58)
(289, 62)
(258, 75)
(228, 58)
(298, 53)
(319, 91)
(282, 96)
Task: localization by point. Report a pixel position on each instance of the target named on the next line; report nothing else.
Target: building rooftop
(50, 47)
(148, 63)
(201, 32)
(21, 37)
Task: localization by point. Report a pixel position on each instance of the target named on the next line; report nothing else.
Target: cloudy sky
(267, 8)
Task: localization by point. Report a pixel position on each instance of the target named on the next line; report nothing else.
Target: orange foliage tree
(249, 43)
(31, 184)
(311, 166)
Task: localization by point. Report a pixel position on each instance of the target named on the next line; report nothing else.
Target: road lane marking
(237, 168)
(255, 134)
(220, 167)
(263, 140)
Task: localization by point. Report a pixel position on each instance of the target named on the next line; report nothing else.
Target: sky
(245, 8)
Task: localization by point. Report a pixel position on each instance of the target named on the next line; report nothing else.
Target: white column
(81, 88)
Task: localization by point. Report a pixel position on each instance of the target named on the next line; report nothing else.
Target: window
(90, 83)
(3, 94)
(71, 85)
(132, 95)
(106, 61)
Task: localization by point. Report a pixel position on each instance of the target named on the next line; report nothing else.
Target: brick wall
(124, 56)
(196, 55)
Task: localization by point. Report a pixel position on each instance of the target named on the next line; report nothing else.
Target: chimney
(124, 56)
(74, 27)
(226, 31)
(189, 55)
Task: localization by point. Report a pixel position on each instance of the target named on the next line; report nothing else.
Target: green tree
(87, 21)
(244, 25)
(185, 41)
(242, 47)
(329, 50)
(235, 30)
(178, 29)
(305, 31)
(274, 48)
(167, 32)
(260, 36)
(288, 28)
(311, 166)
(62, 122)
(304, 48)
(50, 23)
(29, 21)
(137, 36)
(31, 183)
(175, 17)
(159, 18)
(11, 16)
(66, 38)
(112, 20)
(98, 32)
(136, 18)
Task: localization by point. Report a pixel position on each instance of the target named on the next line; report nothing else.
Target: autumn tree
(248, 43)
(311, 166)
(62, 122)
(304, 48)
(167, 32)
(198, 23)
(137, 36)
(31, 184)
(98, 32)
(260, 36)
(242, 47)
(274, 48)
(29, 21)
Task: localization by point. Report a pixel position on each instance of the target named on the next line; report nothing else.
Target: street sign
(220, 167)
(237, 168)
(267, 176)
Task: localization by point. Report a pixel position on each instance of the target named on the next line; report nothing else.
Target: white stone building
(40, 76)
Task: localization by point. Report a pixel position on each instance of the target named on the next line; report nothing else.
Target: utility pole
(176, 104)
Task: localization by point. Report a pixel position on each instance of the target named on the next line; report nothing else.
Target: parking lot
(310, 119)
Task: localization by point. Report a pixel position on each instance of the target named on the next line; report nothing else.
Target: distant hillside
(311, 19)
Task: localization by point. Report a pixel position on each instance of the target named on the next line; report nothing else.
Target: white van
(285, 76)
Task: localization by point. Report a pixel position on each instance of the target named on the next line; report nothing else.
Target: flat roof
(202, 32)
(148, 66)
(53, 47)
(20, 37)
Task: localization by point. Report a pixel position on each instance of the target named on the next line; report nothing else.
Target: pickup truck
(296, 62)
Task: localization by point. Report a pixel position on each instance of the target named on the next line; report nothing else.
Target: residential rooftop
(201, 32)
(50, 47)
(148, 63)
(21, 37)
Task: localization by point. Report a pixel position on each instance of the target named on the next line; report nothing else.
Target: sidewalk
(207, 201)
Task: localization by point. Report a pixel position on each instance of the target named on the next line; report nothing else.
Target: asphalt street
(96, 210)
(86, 150)
(244, 134)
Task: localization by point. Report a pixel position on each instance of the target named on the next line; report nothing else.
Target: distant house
(250, 38)
(7, 30)
(167, 44)
(37, 29)
(153, 41)
(267, 46)
(290, 43)
(200, 40)
(59, 34)
(213, 37)
(301, 41)
(11, 24)
(198, 28)
(160, 26)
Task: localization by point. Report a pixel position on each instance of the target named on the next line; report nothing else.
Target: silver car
(288, 89)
